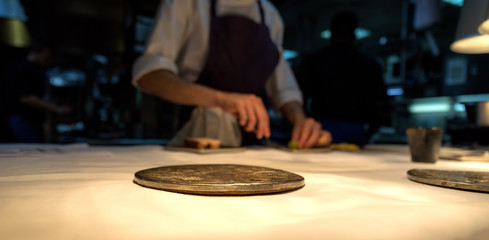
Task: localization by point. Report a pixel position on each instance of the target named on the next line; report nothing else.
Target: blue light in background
(326, 34)
(459, 107)
(395, 91)
(12, 9)
(455, 2)
(362, 33)
(359, 33)
(289, 54)
(383, 41)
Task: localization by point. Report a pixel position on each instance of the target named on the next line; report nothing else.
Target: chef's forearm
(37, 103)
(171, 87)
(293, 111)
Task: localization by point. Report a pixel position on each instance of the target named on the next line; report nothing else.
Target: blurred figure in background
(25, 91)
(345, 85)
(222, 57)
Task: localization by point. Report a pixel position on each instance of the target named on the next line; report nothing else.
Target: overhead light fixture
(14, 33)
(471, 36)
(13, 30)
(359, 33)
(484, 27)
(12, 9)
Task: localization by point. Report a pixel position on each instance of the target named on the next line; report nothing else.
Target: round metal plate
(465, 180)
(219, 179)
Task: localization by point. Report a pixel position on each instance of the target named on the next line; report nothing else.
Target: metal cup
(424, 144)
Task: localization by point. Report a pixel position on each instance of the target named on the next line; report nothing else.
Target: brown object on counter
(201, 143)
(322, 141)
(345, 147)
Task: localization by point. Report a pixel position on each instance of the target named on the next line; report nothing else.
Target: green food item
(293, 144)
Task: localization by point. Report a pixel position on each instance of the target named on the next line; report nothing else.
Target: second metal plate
(219, 179)
(465, 180)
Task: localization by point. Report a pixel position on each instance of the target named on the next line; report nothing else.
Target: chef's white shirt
(179, 43)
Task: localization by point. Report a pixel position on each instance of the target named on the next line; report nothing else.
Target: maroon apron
(241, 56)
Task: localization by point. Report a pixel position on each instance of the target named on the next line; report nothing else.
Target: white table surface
(85, 192)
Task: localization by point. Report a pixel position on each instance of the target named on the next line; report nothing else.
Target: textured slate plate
(465, 180)
(219, 179)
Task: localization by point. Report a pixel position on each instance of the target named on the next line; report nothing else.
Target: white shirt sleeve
(170, 32)
(282, 86)
(179, 43)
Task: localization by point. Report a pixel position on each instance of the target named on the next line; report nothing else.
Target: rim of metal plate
(463, 180)
(219, 179)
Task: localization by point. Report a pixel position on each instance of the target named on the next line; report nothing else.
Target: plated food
(204, 146)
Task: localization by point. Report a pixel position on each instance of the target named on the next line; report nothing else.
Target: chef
(224, 58)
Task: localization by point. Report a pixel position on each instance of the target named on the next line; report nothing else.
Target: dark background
(100, 39)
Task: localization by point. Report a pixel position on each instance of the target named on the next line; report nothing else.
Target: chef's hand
(309, 133)
(251, 112)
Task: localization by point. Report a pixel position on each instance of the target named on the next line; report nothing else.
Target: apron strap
(213, 8)
(262, 14)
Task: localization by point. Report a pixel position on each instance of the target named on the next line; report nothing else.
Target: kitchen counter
(79, 191)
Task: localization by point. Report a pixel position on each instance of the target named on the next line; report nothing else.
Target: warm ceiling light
(468, 39)
(471, 45)
(484, 27)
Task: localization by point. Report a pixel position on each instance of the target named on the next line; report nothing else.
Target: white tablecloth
(85, 192)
